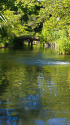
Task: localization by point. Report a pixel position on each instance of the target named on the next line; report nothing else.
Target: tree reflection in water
(25, 108)
(34, 93)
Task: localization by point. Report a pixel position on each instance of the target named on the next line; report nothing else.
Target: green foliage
(18, 18)
(56, 27)
(48, 19)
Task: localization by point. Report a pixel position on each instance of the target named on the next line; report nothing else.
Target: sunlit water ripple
(34, 61)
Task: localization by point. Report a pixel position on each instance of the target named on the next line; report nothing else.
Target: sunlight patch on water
(59, 63)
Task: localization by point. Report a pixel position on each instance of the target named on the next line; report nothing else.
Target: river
(34, 87)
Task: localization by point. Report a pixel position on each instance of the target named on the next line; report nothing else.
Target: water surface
(34, 87)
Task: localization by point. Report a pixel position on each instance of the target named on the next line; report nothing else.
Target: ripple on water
(42, 62)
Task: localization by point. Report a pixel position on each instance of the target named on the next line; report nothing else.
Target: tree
(56, 27)
(19, 18)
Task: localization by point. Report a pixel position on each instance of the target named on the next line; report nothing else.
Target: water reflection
(23, 109)
(34, 88)
(37, 61)
(53, 121)
(58, 121)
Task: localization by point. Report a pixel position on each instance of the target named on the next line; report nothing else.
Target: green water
(34, 87)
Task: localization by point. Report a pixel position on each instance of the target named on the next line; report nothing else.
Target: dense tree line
(47, 19)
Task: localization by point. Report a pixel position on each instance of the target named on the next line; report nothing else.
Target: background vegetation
(47, 19)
